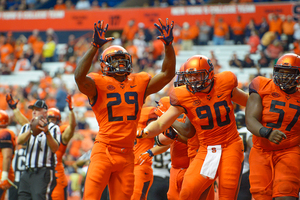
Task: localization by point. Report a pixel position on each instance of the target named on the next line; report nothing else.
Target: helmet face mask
(116, 61)
(198, 73)
(286, 73)
(179, 78)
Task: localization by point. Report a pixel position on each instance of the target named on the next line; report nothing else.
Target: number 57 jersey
(211, 113)
(117, 107)
(280, 111)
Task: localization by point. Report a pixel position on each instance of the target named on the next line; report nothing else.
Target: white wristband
(4, 176)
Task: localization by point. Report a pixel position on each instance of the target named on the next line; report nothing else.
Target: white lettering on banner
(56, 14)
(178, 11)
(207, 10)
(246, 8)
(25, 15)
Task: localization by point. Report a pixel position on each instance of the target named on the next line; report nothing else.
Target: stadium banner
(77, 20)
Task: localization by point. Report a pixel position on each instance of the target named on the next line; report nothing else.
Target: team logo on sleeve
(111, 87)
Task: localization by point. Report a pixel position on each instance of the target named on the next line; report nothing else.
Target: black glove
(166, 31)
(99, 35)
(11, 102)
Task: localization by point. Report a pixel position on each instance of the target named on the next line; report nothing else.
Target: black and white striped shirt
(38, 153)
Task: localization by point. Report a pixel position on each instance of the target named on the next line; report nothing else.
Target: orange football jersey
(118, 106)
(280, 111)
(59, 169)
(211, 113)
(7, 140)
(142, 145)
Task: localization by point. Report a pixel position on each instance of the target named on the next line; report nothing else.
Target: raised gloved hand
(11, 102)
(141, 133)
(99, 35)
(145, 157)
(166, 31)
(171, 133)
(69, 100)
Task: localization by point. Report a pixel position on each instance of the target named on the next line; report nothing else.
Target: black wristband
(156, 139)
(150, 153)
(265, 132)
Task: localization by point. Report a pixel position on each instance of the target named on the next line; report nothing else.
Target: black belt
(29, 169)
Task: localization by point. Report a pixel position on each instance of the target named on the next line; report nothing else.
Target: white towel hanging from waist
(211, 162)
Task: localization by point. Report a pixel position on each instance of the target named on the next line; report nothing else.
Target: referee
(38, 180)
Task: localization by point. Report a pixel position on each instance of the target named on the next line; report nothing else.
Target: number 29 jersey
(280, 111)
(117, 107)
(211, 113)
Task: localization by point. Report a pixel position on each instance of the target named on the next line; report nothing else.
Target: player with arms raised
(116, 97)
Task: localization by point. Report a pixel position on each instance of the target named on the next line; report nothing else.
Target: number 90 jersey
(118, 106)
(280, 111)
(211, 113)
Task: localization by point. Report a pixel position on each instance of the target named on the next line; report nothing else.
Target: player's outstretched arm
(239, 96)
(152, 152)
(85, 84)
(163, 123)
(69, 132)
(21, 119)
(168, 68)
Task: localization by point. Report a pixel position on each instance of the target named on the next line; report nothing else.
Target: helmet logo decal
(210, 64)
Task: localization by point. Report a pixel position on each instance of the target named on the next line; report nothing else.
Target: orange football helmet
(54, 113)
(198, 73)
(162, 106)
(4, 119)
(116, 60)
(288, 78)
(179, 79)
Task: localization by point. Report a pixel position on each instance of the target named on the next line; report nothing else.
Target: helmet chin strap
(290, 90)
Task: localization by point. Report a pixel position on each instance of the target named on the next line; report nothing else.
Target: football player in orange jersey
(67, 132)
(7, 146)
(116, 96)
(143, 174)
(206, 99)
(272, 115)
